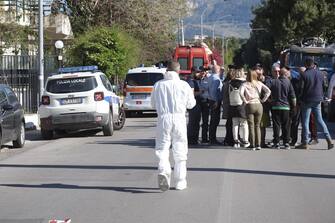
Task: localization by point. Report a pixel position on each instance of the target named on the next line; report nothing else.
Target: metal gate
(21, 74)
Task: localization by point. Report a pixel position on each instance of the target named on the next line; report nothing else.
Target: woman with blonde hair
(251, 92)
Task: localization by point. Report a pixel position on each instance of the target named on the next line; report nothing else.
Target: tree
(14, 36)
(280, 23)
(112, 49)
(151, 22)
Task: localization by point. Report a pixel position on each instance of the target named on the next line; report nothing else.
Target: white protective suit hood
(172, 95)
(171, 75)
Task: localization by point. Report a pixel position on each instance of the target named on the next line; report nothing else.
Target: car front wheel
(20, 137)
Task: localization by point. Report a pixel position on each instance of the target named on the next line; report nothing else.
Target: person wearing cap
(311, 96)
(194, 114)
(171, 97)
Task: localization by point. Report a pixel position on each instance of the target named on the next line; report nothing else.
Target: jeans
(306, 110)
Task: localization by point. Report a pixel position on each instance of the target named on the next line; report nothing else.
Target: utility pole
(182, 33)
(178, 33)
(40, 47)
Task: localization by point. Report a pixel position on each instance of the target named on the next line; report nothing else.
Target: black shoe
(266, 146)
(292, 143)
(276, 146)
(192, 143)
(251, 147)
(226, 143)
(215, 142)
(205, 141)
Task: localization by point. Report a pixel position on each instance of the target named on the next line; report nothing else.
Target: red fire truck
(192, 55)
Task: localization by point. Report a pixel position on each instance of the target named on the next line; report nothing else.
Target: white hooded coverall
(171, 97)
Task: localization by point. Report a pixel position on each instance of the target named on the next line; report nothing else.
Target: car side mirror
(7, 107)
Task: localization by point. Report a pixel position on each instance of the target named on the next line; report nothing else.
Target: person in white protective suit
(171, 98)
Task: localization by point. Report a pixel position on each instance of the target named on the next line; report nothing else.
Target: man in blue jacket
(311, 96)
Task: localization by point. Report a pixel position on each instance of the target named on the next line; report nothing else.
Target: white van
(138, 86)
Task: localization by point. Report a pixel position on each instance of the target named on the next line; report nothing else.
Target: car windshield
(323, 60)
(143, 79)
(68, 85)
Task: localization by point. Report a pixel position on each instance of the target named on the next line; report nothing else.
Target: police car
(79, 98)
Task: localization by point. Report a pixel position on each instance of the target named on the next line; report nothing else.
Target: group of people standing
(247, 100)
(250, 100)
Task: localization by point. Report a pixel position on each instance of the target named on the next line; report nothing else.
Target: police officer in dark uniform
(194, 114)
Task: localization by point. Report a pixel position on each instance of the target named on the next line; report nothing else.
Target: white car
(138, 86)
(79, 98)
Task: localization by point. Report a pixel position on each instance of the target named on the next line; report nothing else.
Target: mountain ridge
(230, 18)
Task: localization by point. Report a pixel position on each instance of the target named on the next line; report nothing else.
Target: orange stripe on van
(140, 89)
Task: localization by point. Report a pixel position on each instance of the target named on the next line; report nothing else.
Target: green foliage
(113, 50)
(13, 35)
(153, 23)
(280, 23)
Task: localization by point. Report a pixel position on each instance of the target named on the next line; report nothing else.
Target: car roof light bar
(64, 70)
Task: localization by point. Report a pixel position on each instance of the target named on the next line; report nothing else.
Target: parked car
(12, 121)
(79, 98)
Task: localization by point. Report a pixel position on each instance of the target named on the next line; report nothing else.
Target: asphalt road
(91, 178)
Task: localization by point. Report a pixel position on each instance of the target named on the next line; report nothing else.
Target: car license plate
(139, 96)
(68, 101)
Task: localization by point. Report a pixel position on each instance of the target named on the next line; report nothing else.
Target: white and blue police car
(79, 98)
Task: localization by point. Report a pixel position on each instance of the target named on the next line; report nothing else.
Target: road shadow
(133, 190)
(192, 169)
(143, 115)
(143, 143)
(35, 135)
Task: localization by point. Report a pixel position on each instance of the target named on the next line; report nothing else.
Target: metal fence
(21, 74)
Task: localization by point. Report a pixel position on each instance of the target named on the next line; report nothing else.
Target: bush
(110, 48)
